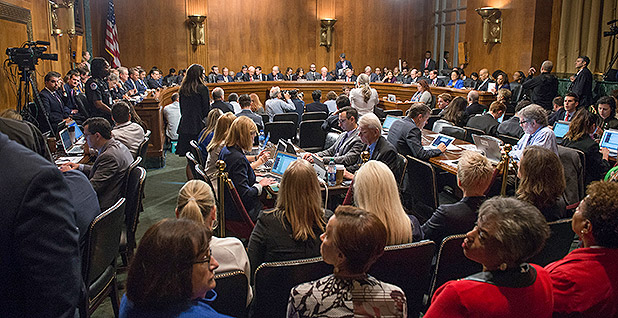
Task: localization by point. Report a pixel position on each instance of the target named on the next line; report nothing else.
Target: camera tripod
(28, 90)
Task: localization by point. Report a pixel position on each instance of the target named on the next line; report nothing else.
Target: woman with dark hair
(288, 76)
(508, 232)
(300, 74)
(537, 166)
(585, 280)
(606, 108)
(172, 273)
(583, 125)
(455, 112)
(353, 241)
(455, 81)
(502, 81)
(292, 229)
(194, 107)
(423, 93)
(389, 78)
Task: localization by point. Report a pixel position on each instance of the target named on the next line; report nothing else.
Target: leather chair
(574, 163)
(407, 266)
(192, 162)
(314, 116)
(439, 124)
(423, 186)
(133, 207)
(241, 229)
(231, 294)
(196, 152)
(331, 139)
(454, 131)
(143, 146)
(274, 280)
(293, 117)
(394, 112)
(432, 120)
(403, 167)
(99, 259)
(279, 130)
(472, 131)
(451, 263)
(265, 118)
(508, 139)
(201, 175)
(557, 245)
(311, 135)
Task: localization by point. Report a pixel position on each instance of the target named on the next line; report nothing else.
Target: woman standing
(363, 97)
(194, 107)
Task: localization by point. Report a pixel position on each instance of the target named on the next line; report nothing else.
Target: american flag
(111, 36)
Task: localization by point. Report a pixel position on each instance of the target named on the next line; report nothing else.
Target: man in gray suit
(405, 134)
(346, 150)
(109, 169)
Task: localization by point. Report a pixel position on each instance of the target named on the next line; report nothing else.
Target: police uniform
(97, 89)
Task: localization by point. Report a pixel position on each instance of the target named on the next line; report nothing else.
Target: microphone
(47, 43)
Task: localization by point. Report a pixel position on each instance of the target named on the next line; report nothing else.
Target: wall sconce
(492, 24)
(196, 23)
(326, 32)
(55, 24)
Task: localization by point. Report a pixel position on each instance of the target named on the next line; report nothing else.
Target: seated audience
(474, 174)
(533, 120)
(316, 106)
(225, 77)
(332, 122)
(455, 81)
(55, 109)
(502, 81)
(423, 94)
(206, 135)
(455, 113)
(348, 76)
(24, 133)
(507, 233)
(245, 104)
(584, 282)
(275, 75)
(218, 101)
(257, 106)
(325, 75)
(405, 134)
(196, 202)
(504, 96)
(69, 94)
(171, 115)
(483, 81)
(537, 166)
(557, 103)
(153, 79)
(330, 102)
(312, 75)
(346, 149)
(108, 172)
(172, 273)
(488, 122)
(39, 251)
(289, 74)
(299, 75)
(239, 139)
(353, 241)
(363, 97)
(441, 102)
(128, 133)
(511, 126)
(375, 190)
(214, 148)
(389, 78)
(583, 125)
(571, 104)
(606, 108)
(474, 107)
(277, 105)
(298, 103)
(232, 99)
(434, 80)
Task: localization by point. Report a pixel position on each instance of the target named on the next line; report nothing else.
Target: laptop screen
(78, 132)
(442, 139)
(561, 128)
(282, 162)
(66, 139)
(389, 121)
(610, 139)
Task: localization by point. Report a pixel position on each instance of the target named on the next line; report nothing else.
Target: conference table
(442, 161)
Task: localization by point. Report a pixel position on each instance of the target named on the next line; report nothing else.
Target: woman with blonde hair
(239, 140)
(208, 132)
(375, 190)
(256, 106)
(196, 202)
(216, 144)
(291, 230)
(363, 97)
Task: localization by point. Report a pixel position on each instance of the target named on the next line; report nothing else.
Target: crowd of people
(172, 271)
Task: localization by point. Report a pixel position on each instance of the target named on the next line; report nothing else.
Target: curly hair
(601, 209)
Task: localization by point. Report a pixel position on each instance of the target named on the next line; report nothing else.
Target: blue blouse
(197, 308)
(458, 84)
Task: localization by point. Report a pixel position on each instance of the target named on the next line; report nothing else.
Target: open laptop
(388, 122)
(489, 147)
(281, 162)
(609, 140)
(320, 168)
(440, 139)
(79, 135)
(70, 148)
(561, 127)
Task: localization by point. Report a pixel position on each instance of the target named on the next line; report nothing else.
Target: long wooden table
(447, 155)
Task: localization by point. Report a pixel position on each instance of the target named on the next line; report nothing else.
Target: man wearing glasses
(533, 120)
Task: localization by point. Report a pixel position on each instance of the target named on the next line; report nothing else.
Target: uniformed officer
(97, 90)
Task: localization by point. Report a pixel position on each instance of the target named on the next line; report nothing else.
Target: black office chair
(394, 112)
(280, 129)
(196, 152)
(451, 263)
(143, 146)
(312, 137)
(454, 131)
(557, 245)
(99, 259)
(472, 131)
(192, 162)
(133, 207)
(293, 117)
(231, 291)
(314, 116)
(432, 120)
(265, 118)
(422, 186)
(508, 139)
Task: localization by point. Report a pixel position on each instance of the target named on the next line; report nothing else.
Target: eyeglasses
(205, 259)
(525, 121)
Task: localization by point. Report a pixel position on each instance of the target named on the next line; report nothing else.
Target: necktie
(566, 116)
(339, 147)
(426, 63)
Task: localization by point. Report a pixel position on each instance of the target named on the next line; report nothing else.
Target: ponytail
(191, 211)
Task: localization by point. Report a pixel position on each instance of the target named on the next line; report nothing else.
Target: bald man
(483, 81)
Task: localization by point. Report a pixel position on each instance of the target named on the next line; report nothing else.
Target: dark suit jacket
(558, 115)
(346, 153)
(511, 127)
(431, 66)
(374, 77)
(474, 108)
(108, 172)
(385, 152)
(352, 79)
(451, 219)
(406, 137)
(221, 78)
(193, 108)
(54, 107)
(39, 254)
(339, 65)
(316, 107)
(596, 167)
(439, 82)
(543, 89)
(329, 77)
(300, 108)
(261, 77)
(257, 119)
(85, 201)
(582, 86)
(152, 83)
(141, 86)
(242, 175)
(271, 77)
(486, 123)
(483, 86)
(27, 135)
(223, 106)
(312, 76)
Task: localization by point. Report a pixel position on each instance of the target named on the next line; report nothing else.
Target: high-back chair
(143, 146)
(196, 152)
(472, 131)
(241, 229)
(314, 116)
(231, 293)
(423, 186)
(280, 129)
(293, 117)
(311, 135)
(557, 245)
(133, 207)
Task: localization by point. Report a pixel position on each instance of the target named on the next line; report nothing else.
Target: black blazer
(486, 123)
(596, 167)
(193, 108)
(221, 78)
(271, 77)
(406, 137)
(257, 119)
(511, 127)
(582, 86)
(474, 108)
(242, 175)
(451, 219)
(431, 66)
(152, 83)
(543, 89)
(483, 86)
(439, 82)
(54, 107)
(223, 106)
(316, 107)
(385, 152)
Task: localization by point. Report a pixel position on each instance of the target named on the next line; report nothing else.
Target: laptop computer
(609, 140)
(388, 122)
(440, 139)
(320, 168)
(561, 127)
(281, 162)
(79, 135)
(69, 147)
(489, 147)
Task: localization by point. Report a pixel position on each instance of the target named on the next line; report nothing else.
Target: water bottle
(261, 139)
(332, 173)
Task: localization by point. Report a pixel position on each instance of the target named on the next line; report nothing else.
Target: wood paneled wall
(267, 32)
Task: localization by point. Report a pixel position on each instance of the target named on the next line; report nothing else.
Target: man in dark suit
(473, 105)
(51, 100)
(581, 82)
(68, 94)
(376, 76)
(241, 75)
(152, 81)
(544, 87)
(225, 77)
(405, 134)
(474, 174)
(39, 251)
(245, 103)
(325, 75)
(275, 75)
(566, 113)
(370, 133)
(316, 106)
(259, 76)
(250, 75)
(434, 80)
(298, 103)
(312, 75)
(428, 62)
(488, 122)
(108, 172)
(218, 95)
(341, 65)
(214, 73)
(131, 83)
(26, 134)
(482, 84)
(346, 149)
(511, 126)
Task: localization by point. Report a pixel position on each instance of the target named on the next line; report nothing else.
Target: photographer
(277, 105)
